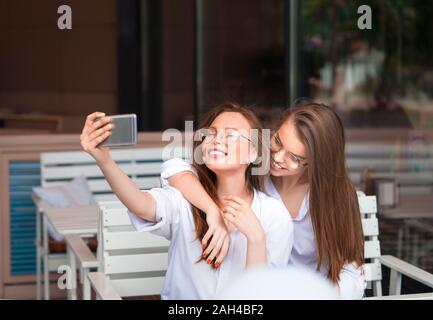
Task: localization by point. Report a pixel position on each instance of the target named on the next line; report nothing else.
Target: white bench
(132, 263)
(143, 165)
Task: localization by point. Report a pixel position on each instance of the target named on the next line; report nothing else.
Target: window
(374, 78)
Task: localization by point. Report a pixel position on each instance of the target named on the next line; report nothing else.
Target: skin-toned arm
(190, 187)
(140, 203)
(256, 253)
(238, 212)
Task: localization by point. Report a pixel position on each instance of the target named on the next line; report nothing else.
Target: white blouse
(352, 281)
(187, 279)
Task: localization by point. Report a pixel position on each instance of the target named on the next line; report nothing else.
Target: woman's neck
(233, 183)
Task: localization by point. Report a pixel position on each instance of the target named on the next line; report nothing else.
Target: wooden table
(77, 220)
(66, 221)
(410, 207)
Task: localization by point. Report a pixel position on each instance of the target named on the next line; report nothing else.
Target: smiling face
(225, 152)
(291, 152)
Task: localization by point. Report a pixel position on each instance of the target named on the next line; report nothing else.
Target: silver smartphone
(124, 132)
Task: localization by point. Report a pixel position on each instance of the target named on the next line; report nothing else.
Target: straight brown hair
(333, 203)
(208, 178)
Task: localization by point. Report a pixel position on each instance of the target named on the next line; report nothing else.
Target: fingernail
(204, 254)
(208, 261)
(203, 245)
(217, 264)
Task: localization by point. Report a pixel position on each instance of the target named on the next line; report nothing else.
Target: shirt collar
(303, 209)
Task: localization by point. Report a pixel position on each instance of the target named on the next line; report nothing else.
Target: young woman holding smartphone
(259, 229)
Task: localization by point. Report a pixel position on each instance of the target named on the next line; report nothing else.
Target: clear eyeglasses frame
(231, 135)
(292, 161)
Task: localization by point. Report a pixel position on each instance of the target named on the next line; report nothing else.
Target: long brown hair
(208, 177)
(333, 203)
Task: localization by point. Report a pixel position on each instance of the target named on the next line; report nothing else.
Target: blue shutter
(22, 177)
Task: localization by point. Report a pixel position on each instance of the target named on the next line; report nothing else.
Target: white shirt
(352, 281)
(187, 279)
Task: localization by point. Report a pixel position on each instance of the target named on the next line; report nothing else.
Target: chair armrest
(407, 269)
(102, 286)
(85, 257)
(416, 296)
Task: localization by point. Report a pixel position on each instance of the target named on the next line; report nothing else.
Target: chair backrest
(142, 165)
(135, 262)
(372, 253)
(394, 160)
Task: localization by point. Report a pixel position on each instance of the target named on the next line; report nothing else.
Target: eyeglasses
(293, 161)
(231, 136)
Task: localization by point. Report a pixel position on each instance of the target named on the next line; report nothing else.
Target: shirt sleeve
(174, 166)
(352, 282)
(168, 206)
(279, 236)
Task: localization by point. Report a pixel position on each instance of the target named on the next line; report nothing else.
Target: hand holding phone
(123, 132)
(99, 128)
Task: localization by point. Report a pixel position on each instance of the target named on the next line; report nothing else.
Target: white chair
(132, 263)
(375, 261)
(143, 165)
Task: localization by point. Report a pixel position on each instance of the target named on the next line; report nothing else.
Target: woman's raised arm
(94, 132)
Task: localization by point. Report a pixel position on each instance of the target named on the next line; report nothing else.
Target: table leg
(82, 275)
(400, 241)
(72, 280)
(46, 259)
(86, 285)
(415, 249)
(408, 241)
(38, 255)
(395, 283)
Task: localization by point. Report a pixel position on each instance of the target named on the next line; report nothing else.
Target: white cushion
(74, 193)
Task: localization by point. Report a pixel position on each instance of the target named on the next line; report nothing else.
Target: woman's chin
(216, 165)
